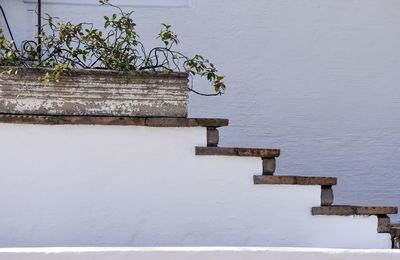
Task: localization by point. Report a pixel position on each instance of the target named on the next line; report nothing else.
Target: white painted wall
(140, 186)
(317, 78)
(195, 254)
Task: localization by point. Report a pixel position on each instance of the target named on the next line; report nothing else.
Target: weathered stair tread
(395, 229)
(234, 151)
(353, 210)
(294, 180)
(111, 120)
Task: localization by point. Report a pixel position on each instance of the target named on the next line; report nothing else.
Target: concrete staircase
(326, 208)
(268, 161)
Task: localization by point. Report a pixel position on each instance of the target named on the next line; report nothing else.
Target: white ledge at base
(195, 253)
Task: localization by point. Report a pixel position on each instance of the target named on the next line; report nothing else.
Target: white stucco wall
(142, 186)
(317, 78)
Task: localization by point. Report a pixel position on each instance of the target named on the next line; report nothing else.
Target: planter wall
(94, 92)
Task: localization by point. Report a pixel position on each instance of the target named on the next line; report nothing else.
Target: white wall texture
(317, 78)
(140, 186)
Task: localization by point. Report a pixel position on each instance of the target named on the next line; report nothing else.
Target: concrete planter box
(94, 92)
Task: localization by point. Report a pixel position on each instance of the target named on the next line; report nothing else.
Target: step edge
(350, 210)
(294, 180)
(238, 151)
(112, 120)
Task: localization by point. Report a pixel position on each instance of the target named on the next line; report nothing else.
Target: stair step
(112, 120)
(395, 230)
(396, 225)
(234, 151)
(294, 180)
(338, 210)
